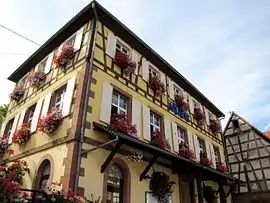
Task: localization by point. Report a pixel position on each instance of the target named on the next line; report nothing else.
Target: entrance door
(186, 191)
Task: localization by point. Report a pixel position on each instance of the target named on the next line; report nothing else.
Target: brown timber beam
(147, 168)
(199, 187)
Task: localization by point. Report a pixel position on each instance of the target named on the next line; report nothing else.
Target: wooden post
(199, 187)
(221, 192)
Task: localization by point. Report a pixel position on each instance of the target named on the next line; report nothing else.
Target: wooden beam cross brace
(147, 168)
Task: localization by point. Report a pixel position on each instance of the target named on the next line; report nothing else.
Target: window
(217, 154)
(182, 135)
(154, 122)
(115, 185)
(235, 124)
(202, 145)
(177, 90)
(151, 199)
(153, 72)
(57, 100)
(8, 127)
(29, 114)
(23, 81)
(70, 42)
(119, 104)
(44, 174)
(42, 64)
(196, 104)
(122, 48)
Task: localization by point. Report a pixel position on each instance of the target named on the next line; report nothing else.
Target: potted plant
(161, 186)
(221, 167)
(199, 115)
(209, 194)
(204, 160)
(49, 124)
(124, 62)
(4, 146)
(159, 141)
(185, 152)
(65, 55)
(157, 86)
(214, 126)
(17, 93)
(22, 134)
(180, 102)
(119, 122)
(37, 78)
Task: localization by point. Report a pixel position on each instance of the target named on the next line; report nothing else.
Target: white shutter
(197, 148)
(68, 96)
(185, 96)
(190, 141)
(136, 116)
(167, 129)
(207, 118)
(146, 123)
(213, 155)
(111, 45)
(48, 64)
(171, 88)
(106, 103)
(36, 115)
(145, 69)
(21, 117)
(175, 137)
(78, 39)
(46, 104)
(3, 128)
(191, 105)
(135, 58)
(222, 155)
(208, 152)
(14, 126)
(162, 78)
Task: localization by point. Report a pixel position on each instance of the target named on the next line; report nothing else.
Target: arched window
(44, 174)
(115, 185)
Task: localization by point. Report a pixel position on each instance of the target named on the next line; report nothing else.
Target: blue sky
(222, 47)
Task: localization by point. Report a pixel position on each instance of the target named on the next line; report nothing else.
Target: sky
(222, 47)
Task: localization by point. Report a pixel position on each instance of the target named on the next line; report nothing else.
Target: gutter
(88, 75)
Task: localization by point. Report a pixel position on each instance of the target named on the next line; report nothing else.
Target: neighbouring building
(248, 152)
(108, 116)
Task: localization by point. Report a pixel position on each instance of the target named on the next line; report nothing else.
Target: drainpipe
(88, 74)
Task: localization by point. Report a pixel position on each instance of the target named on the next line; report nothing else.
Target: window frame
(185, 139)
(154, 126)
(27, 114)
(24, 83)
(60, 91)
(176, 87)
(203, 145)
(122, 45)
(153, 69)
(218, 155)
(8, 127)
(43, 62)
(196, 104)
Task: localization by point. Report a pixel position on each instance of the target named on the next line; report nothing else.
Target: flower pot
(37, 78)
(159, 141)
(17, 93)
(65, 55)
(50, 123)
(124, 62)
(157, 86)
(121, 124)
(199, 115)
(180, 102)
(22, 134)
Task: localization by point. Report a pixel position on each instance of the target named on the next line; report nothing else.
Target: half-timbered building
(248, 151)
(110, 117)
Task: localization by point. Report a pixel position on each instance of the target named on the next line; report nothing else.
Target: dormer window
(122, 48)
(235, 124)
(153, 72)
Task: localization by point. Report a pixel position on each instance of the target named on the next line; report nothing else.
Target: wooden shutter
(213, 155)
(196, 148)
(191, 105)
(135, 58)
(136, 116)
(14, 126)
(106, 103)
(190, 140)
(175, 137)
(48, 64)
(167, 129)
(3, 126)
(163, 78)
(78, 39)
(111, 45)
(222, 155)
(208, 150)
(171, 88)
(68, 96)
(145, 69)
(146, 123)
(35, 118)
(46, 104)
(207, 118)
(21, 117)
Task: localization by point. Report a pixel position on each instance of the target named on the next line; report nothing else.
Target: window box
(204, 160)
(64, 56)
(179, 100)
(221, 167)
(157, 86)
(124, 62)
(37, 78)
(51, 122)
(120, 123)
(185, 152)
(199, 115)
(159, 141)
(17, 93)
(22, 134)
(214, 126)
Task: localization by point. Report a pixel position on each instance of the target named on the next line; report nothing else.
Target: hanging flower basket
(204, 160)
(37, 78)
(209, 194)
(157, 86)
(124, 62)
(51, 122)
(180, 102)
(119, 122)
(22, 134)
(159, 141)
(161, 186)
(185, 152)
(221, 167)
(65, 55)
(199, 115)
(214, 126)
(17, 93)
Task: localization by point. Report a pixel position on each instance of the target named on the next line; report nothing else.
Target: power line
(16, 33)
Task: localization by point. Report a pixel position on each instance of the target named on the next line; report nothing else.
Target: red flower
(157, 86)
(199, 115)
(214, 126)
(10, 152)
(120, 123)
(36, 78)
(65, 55)
(22, 134)
(159, 141)
(185, 152)
(221, 167)
(50, 123)
(204, 160)
(124, 62)
(180, 102)
(17, 93)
